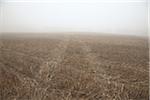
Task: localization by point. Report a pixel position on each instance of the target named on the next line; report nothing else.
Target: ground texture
(74, 67)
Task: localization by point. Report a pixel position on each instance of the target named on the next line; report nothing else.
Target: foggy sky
(119, 16)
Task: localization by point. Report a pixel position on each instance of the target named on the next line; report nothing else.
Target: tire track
(95, 65)
(39, 81)
(99, 72)
(50, 65)
(48, 68)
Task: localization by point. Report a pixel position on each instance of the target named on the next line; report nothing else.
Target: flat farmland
(74, 67)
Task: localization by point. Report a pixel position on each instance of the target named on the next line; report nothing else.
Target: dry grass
(74, 67)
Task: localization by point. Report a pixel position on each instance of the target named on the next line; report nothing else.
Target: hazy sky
(104, 16)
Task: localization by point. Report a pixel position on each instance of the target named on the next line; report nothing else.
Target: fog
(100, 16)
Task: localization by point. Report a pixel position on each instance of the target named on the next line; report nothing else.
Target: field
(74, 67)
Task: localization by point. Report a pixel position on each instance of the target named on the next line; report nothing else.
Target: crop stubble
(74, 67)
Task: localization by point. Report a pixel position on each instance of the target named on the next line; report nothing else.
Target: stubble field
(74, 67)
